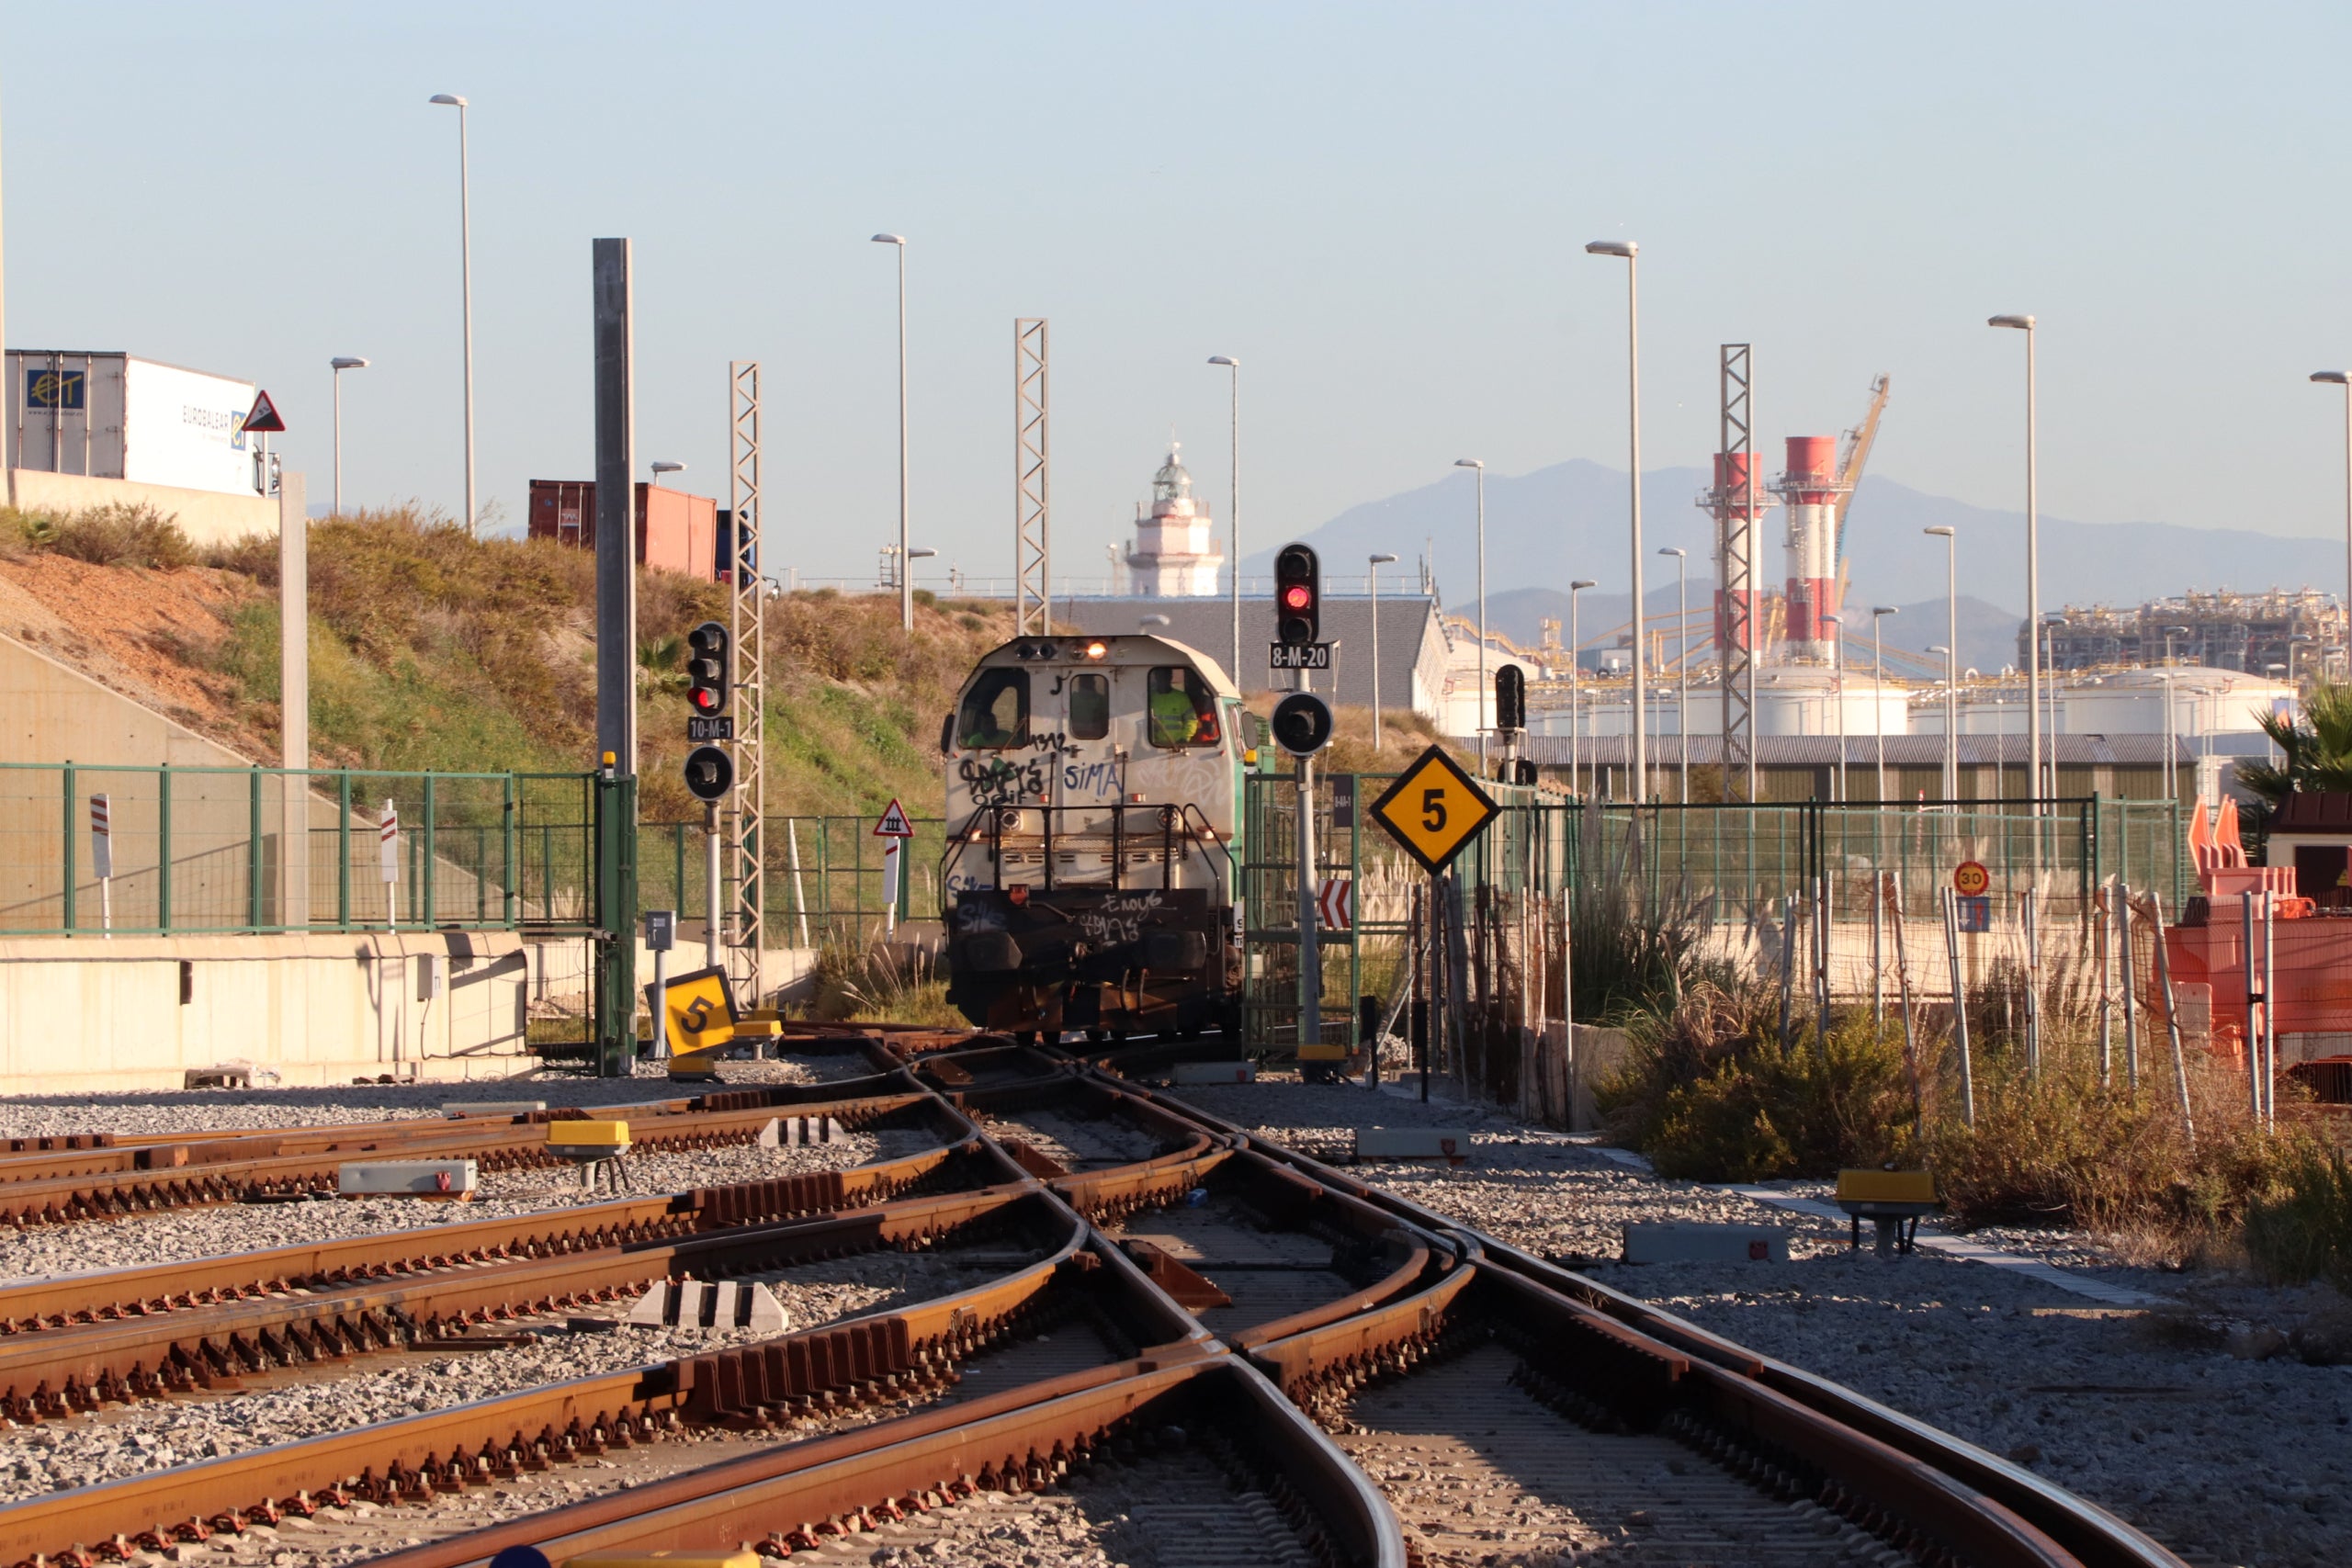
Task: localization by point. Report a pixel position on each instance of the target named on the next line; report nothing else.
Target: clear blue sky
(1380, 210)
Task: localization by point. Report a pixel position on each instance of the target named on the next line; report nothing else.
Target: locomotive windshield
(1182, 707)
(995, 714)
(1090, 707)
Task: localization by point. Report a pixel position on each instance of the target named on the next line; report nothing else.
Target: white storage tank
(116, 416)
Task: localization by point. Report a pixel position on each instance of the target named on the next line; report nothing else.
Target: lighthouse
(1175, 555)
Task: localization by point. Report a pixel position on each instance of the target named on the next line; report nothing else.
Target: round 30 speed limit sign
(1970, 879)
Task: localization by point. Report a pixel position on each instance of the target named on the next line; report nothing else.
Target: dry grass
(103, 535)
(882, 984)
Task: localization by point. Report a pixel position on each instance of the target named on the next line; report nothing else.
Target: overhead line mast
(748, 625)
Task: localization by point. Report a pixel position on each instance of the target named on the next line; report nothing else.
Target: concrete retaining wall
(138, 1012)
(205, 516)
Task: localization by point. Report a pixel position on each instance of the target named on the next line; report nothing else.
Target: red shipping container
(675, 532)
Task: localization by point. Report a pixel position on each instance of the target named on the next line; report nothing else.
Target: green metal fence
(1743, 856)
(265, 850)
(823, 876)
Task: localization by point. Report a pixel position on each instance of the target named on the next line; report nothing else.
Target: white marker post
(391, 835)
(102, 859)
(894, 830)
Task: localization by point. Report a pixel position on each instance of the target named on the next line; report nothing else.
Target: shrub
(123, 535)
(1710, 1094)
(2301, 1228)
(881, 985)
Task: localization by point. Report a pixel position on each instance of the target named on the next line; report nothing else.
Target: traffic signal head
(707, 668)
(1511, 698)
(1302, 724)
(1298, 597)
(710, 773)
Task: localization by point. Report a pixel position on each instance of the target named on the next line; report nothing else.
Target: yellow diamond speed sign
(1433, 809)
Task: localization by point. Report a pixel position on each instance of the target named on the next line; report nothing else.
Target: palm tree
(2314, 748)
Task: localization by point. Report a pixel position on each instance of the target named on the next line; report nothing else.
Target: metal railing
(824, 876)
(197, 849)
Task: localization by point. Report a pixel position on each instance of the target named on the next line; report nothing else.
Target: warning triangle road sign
(894, 824)
(262, 418)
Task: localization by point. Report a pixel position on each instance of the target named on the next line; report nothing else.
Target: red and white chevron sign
(1335, 903)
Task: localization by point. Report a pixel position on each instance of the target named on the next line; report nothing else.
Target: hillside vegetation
(430, 650)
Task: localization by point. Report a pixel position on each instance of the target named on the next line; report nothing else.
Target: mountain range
(1568, 521)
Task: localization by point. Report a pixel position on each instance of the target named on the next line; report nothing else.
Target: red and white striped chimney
(1811, 489)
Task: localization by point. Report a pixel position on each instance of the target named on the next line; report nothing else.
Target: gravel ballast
(2196, 1421)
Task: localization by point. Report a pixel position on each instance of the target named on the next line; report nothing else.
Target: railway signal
(1302, 724)
(706, 678)
(710, 773)
(1298, 612)
(1511, 698)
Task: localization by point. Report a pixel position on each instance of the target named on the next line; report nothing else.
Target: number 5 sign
(1434, 810)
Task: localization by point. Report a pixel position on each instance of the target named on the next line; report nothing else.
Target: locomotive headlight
(1096, 650)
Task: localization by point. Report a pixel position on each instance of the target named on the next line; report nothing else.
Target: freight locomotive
(1092, 878)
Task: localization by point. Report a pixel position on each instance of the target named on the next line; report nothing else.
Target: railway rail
(1168, 1297)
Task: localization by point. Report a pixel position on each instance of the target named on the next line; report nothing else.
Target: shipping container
(675, 532)
(114, 416)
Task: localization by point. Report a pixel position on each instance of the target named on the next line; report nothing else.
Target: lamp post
(1951, 660)
(1627, 251)
(2293, 645)
(907, 569)
(1682, 658)
(2032, 551)
(666, 467)
(2172, 746)
(2170, 633)
(2338, 378)
(1233, 505)
(1576, 685)
(339, 364)
(1879, 614)
(2050, 625)
(465, 269)
(1373, 577)
(906, 578)
(1837, 695)
(1478, 467)
(1951, 738)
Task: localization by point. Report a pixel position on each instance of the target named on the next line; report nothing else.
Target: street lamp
(906, 579)
(1479, 468)
(1878, 689)
(1233, 506)
(1952, 641)
(339, 364)
(466, 268)
(1626, 250)
(1576, 685)
(1838, 695)
(667, 468)
(2172, 632)
(1372, 576)
(2292, 643)
(1951, 738)
(2172, 746)
(2050, 625)
(2032, 550)
(1682, 657)
(2338, 378)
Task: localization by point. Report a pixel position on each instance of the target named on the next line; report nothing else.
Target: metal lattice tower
(1032, 481)
(1734, 500)
(747, 624)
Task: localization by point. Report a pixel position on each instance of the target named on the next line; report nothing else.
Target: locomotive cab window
(1183, 708)
(995, 714)
(1090, 707)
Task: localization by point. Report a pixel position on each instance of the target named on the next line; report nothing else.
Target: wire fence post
(509, 827)
(341, 850)
(164, 848)
(252, 855)
(70, 875)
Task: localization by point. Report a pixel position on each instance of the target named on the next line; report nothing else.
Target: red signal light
(705, 698)
(1297, 596)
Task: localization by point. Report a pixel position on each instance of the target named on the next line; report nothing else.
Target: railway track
(121, 1182)
(1171, 1315)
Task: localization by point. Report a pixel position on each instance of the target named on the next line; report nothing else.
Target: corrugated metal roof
(2320, 811)
(1861, 751)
